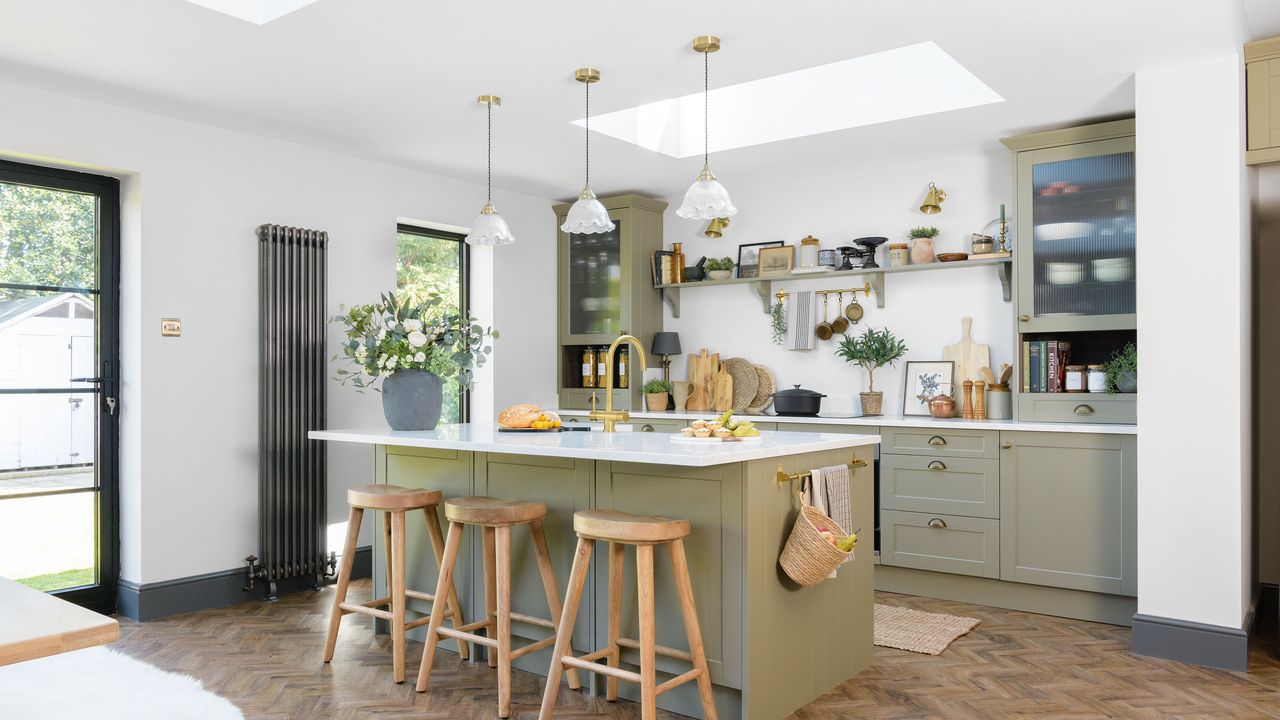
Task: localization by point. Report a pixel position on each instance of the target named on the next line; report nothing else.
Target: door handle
(1083, 410)
(937, 465)
(96, 380)
(1024, 318)
(1006, 445)
(937, 440)
(938, 523)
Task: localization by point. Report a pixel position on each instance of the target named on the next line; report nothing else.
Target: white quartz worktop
(893, 421)
(638, 447)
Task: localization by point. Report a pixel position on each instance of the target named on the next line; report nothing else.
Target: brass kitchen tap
(609, 415)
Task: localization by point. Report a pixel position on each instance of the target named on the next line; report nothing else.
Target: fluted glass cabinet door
(595, 283)
(1081, 232)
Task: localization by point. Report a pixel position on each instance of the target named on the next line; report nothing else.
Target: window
(435, 260)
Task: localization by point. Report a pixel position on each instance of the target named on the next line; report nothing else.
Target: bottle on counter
(624, 367)
(588, 367)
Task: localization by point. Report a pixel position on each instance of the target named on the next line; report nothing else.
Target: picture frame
(925, 378)
(775, 261)
(749, 257)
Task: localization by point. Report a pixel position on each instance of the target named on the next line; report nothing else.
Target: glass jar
(602, 371)
(588, 367)
(1097, 378)
(1076, 380)
(624, 367)
(899, 254)
(809, 251)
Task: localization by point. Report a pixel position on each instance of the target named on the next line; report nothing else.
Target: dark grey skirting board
(1213, 646)
(151, 601)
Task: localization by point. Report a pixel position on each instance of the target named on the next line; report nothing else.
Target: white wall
(193, 196)
(922, 308)
(1194, 494)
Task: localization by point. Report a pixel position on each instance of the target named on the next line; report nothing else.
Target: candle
(1001, 212)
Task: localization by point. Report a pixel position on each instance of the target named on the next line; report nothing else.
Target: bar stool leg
(617, 555)
(490, 593)
(503, 573)
(437, 549)
(344, 580)
(547, 570)
(648, 636)
(564, 628)
(444, 585)
(397, 594)
(680, 566)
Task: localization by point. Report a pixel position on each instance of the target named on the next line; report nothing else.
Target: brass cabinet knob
(937, 465)
(646, 428)
(1006, 445)
(1083, 410)
(938, 523)
(937, 440)
(1024, 318)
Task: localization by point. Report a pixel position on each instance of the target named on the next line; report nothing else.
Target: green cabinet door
(1068, 511)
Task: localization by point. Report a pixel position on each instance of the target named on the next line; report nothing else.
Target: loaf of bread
(519, 416)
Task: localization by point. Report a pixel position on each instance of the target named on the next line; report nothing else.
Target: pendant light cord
(489, 152)
(706, 106)
(587, 124)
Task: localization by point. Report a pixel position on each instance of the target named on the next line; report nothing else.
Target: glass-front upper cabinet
(1076, 231)
(595, 283)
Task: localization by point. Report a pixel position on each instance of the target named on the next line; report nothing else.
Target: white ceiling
(396, 80)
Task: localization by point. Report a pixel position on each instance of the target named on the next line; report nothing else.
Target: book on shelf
(1044, 364)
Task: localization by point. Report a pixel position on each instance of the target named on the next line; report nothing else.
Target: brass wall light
(933, 200)
(716, 227)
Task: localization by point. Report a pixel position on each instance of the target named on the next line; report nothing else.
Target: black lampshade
(666, 343)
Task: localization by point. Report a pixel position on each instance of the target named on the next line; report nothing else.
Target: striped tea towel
(839, 506)
(800, 321)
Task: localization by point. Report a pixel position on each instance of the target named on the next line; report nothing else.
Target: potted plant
(655, 394)
(870, 350)
(721, 269)
(922, 251)
(1122, 370)
(410, 345)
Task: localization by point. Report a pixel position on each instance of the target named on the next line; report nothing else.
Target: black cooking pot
(797, 402)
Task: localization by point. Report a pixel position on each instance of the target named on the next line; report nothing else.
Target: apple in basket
(843, 544)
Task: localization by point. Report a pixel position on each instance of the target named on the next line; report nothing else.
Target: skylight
(892, 85)
(259, 12)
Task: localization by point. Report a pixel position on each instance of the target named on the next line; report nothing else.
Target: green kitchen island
(772, 646)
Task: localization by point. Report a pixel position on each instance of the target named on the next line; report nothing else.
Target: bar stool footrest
(618, 673)
(678, 680)
(364, 610)
(659, 649)
(469, 637)
(534, 646)
(531, 620)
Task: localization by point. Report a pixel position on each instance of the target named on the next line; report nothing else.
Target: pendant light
(706, 199)
(489, 228)
(587, 215)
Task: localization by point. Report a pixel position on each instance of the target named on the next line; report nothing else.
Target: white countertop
(894, 421)
(638, 447)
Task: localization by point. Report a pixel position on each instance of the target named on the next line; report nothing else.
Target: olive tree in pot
(871, 350)
(655, 394)
(410, 345)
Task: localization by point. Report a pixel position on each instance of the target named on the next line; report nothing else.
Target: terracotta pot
(656, 402)
(871, 402)
(922, 251)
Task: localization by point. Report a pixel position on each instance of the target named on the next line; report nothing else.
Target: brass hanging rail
(865, 290)
(785, 477)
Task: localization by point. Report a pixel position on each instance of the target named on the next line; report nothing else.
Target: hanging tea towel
(800, 321)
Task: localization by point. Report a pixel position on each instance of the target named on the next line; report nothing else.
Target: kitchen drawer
(659, 426)
(956, 486)
(580, 398)
(939, 442)
(953, 544)
(1078, 407)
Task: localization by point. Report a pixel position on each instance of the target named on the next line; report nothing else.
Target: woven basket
(807, 557)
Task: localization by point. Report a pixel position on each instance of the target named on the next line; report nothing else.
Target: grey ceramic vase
(1127, 382)
(411, 400)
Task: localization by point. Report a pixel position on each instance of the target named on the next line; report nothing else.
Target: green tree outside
(47, 237)
(426, 264)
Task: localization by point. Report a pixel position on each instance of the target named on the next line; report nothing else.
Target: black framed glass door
(59, 380)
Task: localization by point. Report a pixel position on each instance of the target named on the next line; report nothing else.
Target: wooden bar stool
(496, 517)
(619, 530)
(394, 502)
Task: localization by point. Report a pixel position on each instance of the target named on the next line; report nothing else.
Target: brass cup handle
(938, 523)
(1024, 318)
(646, 428)
(937, 440)
(1083, 410)
(937, 465)
(1006, 445)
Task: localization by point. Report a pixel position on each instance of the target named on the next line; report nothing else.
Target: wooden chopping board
(970, 357)
(703, 368)
(722, 391)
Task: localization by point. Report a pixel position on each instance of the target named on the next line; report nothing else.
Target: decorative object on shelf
(775, 261)
(980, 244)
(847, 254)
(587, 215)
(666, 344)
(808, 252)
(655, 394)
(764, 391)
(871, 350)
(952, 257)
(1096, 377)
(869, 245)
(410, 345)
(489, 228)
(715, 228)
(745, 382)
(942, 405)
(749, 257)
(933, 200)
(680, 394)
(588, 366)
(969, 357)
(703, 368)
(999, 230)
(1064, 273)
(967, 412)
(721, 269)
(777, 322)
(923, 381)
(706, 199)
(663, 267)
(1112, 270)
(696, 273)
(999, 402)
(980, 400)
(677, 262)
(1122, 370)
(797, 402)
(1076, 380)
(899, 255)
(841, 323)
(829, 258)
(922, 244)
(624, 366)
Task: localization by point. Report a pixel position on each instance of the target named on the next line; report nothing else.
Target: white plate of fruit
(722, 429)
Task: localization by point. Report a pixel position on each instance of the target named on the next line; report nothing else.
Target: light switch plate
(171, 327)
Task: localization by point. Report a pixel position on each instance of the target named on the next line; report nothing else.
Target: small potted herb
(655, 394)
(870, 350)
(1122, 370)
(922, 251)
(721, 269)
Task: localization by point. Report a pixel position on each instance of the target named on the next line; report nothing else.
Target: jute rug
(921, 632)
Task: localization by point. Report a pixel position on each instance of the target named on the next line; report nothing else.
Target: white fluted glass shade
(587, 216)
(490, 229)
(706, 199)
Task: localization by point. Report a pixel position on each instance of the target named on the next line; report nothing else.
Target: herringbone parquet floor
(265, 657)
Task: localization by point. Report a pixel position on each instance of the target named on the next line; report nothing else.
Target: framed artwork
(923, 380)
(749, 257)
(776, 260)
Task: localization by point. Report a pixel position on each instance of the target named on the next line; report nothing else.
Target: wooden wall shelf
(762, 288)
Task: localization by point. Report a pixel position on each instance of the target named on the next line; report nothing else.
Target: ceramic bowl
(1063, 231)
(1064, 273)
(952, 257)
(1109, 270)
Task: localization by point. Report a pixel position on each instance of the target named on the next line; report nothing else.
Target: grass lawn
(60, 580)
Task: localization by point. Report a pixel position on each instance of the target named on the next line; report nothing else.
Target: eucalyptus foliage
(405, 333)
(870, 350)
(778, 323)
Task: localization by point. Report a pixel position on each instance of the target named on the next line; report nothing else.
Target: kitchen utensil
(694, 274)
(1064, 273)
(943, 405)
(952, 257)
(853, 310)
(745, 382)
(1063, 231)
(989, 376)
(849, 252)
(967, 413)
(823, 331)
(722, 391)
(764, 392)
(979, 400)
(869, 245)
(968, 355)
(798, 402)
(840, 324)
(999, 402)
(1006, 372)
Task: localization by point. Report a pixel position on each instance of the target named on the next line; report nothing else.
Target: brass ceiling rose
(489, 100)
(587, 75)
(706, 43)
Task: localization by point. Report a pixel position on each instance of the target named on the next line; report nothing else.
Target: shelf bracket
(1005, 270)
(764, 289)
(671, 296)
(877, 286)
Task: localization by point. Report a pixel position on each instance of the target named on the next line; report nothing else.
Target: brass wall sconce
(716, 227)
(933, 200)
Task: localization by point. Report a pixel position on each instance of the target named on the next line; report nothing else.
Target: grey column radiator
(291, 402)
